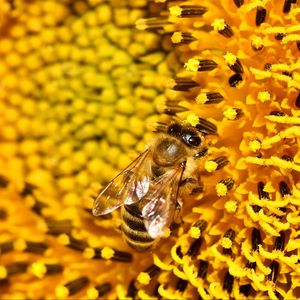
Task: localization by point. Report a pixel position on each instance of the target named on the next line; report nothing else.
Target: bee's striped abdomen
(134, 229)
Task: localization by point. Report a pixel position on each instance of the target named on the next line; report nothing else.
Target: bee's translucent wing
(159, 212)
(128, 187)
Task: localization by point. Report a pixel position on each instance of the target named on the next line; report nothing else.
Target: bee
(148, 190)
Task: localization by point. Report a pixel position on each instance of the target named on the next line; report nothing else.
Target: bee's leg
(191, 186)
(177, 220)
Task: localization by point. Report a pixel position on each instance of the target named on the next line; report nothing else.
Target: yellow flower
(81, 89)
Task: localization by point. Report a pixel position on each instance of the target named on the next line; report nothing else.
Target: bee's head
(189, 135)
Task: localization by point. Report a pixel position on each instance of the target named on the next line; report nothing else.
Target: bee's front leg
(191, 186)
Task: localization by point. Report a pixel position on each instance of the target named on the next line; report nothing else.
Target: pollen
(226, 243)
(231, 206)
(107, 253)
(192, 119)
(144, 278)
(221, 189)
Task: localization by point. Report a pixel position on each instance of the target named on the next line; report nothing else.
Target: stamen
(279, 36)
(202, 269)
(227, 240)
(298, 45)
(257, 43)
(255, 239)
(202, 153)
(3, 214)
(216, 164)
(182, 37)
(99, 290)
(32, 247)
(28, 189)
(187, 11)
(194, 248)
(173, 109)
(228, 282)
(152, 23)
(181, 84)
(55, 227)
(233, 62)
(246, 289)
(287, 6)
(69, 241)
(210, 98)
(39, 269)
(206, 127)
(6, 247)
(235, 80)
(132, 290)
(274, 266)
(197, 229)
(261, 193)
(297, 100)
(181, 285)
(146, 276)
(200, 65)
(71, 287)
(222, 27)
(233, 113)
(279, 242)
(260, 15)
(284, 189)
(3, 182)
(238, 3)
(12, 269)
(36, 205)
(224, 186)
(107, 253)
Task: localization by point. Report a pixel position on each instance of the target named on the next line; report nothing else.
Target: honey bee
(148, 190)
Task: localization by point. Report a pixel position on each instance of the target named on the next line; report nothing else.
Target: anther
(200, 65)
(274, 266)
(279, 242)
(3, 182)
(182, 37)
(55, 227)
(181, 84)
(173, 108)
(235, 80)
(202, 153)
(178, 251)
(221, 162)
(297, 100)
(298, 45)
(194, 248)
(152, 271)
(279, 36)
(132, 290)
(260, 190)
(206, 127)
(233, 113)
(287, 157)
(71, 242)
(12, 269)
(209, 98)
(103, 289)
(260, 15)
(3, 214)
(155, 23)
(233, 62)
(38, 206)
(202, 269)
(71, 287)
(287, 6)
(246, 289)
(238, 3)
(228, 282)
(28, 189)
(284, 189)
(39, 269)
(224, 186)
(187, 11)
(227, 240)
(222, 27)
(181, 285)
(6, 247)
(257, 43)
(255, 239)
(32, 247)
(277, 113)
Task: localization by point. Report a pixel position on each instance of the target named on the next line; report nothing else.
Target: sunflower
(84, 84)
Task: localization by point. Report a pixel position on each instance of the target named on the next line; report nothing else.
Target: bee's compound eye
(175, 129)
(191, 138)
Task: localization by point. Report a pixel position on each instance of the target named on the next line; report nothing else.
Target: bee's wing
(126, 188)
(159, 212)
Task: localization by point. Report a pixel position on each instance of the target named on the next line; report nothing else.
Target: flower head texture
(84, 84)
